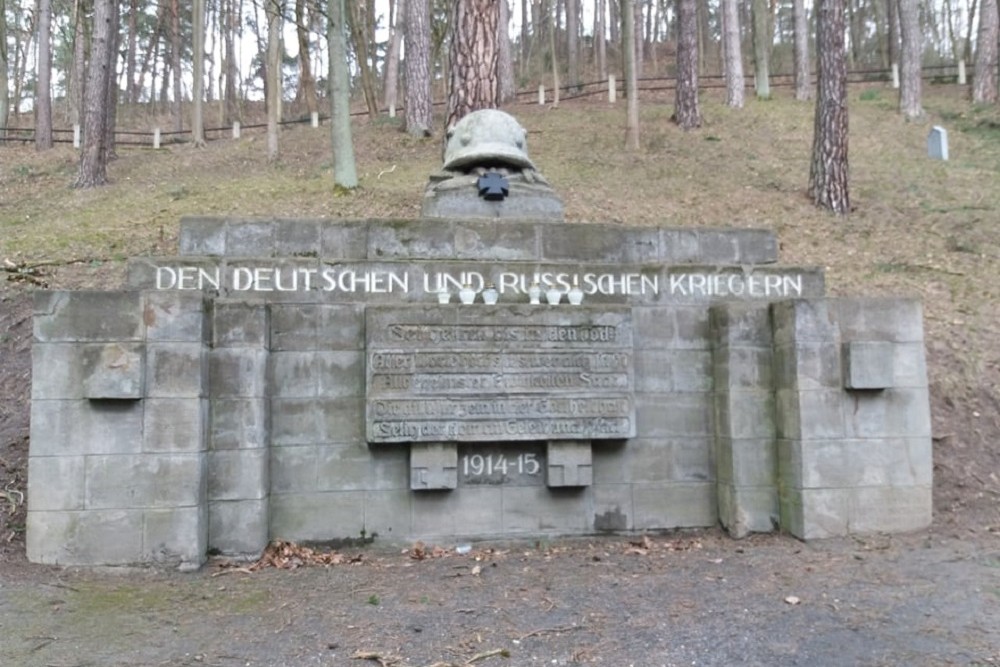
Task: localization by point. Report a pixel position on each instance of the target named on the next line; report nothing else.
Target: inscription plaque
(472, 373)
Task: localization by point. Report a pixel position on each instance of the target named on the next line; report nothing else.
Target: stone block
(238, 423)
(295, 421)
(57, 371)
(114, 371)
(655, 327)
(889, 413)
(250, 238)
(317, 516)
(344, 239)
(808, 415)
(865, 463)
(744, 462)
(718, 246)
(601, 243)
(816, 513)
(104, 537)
(238, 527)
(88, 316)
(807, 365)
(892, 509)
(417, 239)
(293, 469)
(803, 321)
(175, 370)
(673, 370)
(896, 320)
(297, 238)
(309, 327)
(680, 246)
(175, 317)
(194, 276)
(175, 425)
(145, 481)
(868, 364)
(340, 327)
(239, 324)
(663, 506)
(746, 413)
(237, 372)
(311, 374)
(340, 420)
(387, 513)
(691, 460)
(433, 465)
(56, 483)
(909, 365)
(61, 428)
(538, 509)
(202, 236)
(612, 507)
(745, 510)
(344, 467)
(692, 330)
(507, 240)
(738, 368)
(176, 536)
(756, 246)
(568, 463)
(672, 415)
(238, 474)
(736, 324)
(471, 511)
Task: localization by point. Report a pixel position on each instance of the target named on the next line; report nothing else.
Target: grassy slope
(921, 227)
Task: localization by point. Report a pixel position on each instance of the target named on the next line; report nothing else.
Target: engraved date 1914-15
(490, 465)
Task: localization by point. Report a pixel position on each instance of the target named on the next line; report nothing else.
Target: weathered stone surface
(175, 425)
(175, 370)
(106, 537)
(202, 236)
(868, 364)
(175, 317)
(88, 316)
(56, 483)
(71, 428)
(176, 536)
(114, 371)
(569, 463)
(160, 481)
(238, 474)
(238, 527)
(433, 466)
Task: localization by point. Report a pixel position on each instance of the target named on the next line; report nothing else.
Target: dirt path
(694, 598)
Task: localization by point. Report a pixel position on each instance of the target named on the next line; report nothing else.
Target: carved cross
(493, 186)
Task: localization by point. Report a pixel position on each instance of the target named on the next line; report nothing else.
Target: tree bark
(506, 90)
(131, 55)
(631, 80)
(732, 54)
(984, 84)
(474, 56)
(357, 21)
(828, 175)
(803, 85)
(4, 63)
(230, 21)
(111, 90)
(198, 76)
(345, 173)
(761, 14)
(600, 42)
(175, 62)
(273, 9)
(572, 43)
(390, 91)
(43, 91)
(93, 169)
(307, 83)
(686, 111)
(909, 75)
(75, 89)
(419, 117)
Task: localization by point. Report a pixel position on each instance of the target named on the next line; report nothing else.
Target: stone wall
(226, 397)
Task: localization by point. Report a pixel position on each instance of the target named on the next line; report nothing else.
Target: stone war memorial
(487, 371)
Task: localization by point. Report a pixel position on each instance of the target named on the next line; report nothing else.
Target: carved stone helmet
(487, 137)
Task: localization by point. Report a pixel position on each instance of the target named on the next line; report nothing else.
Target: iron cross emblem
(493, 186)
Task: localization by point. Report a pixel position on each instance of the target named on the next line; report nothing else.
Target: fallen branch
(550, 631)
(385, 661)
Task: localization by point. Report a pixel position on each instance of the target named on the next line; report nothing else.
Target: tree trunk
(984, 85)
(198, 76)
(637, 36)
(506, 90)
(967, 53)
(600, 42)
(474, 56)
(357, 20)
(131, 55)
(892, 7)
(686, 112)
(390, 92)
(43, 91)
(419, 117)
(572, 43)
(732, 53)
(554, 57)
(803, 86)
(760, 14)
(111, 90)
(74, 92)
(631, 80)
(93, 170)
(828, 176)
(273, 8)
(230, 95)
(307, 83)
(909, 76)
(175, 62)
(345, 175)
(4, 64)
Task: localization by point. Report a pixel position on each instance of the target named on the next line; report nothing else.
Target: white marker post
(612, 90)
(236, 129)
(156, 137)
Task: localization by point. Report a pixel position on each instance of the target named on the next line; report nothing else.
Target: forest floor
(919, 227)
